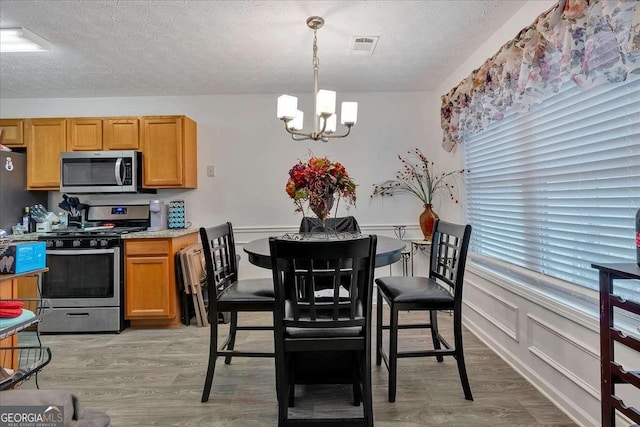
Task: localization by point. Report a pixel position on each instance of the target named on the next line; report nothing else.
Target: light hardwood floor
(155, 378)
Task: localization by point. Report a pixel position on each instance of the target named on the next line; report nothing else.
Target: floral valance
(589, 42)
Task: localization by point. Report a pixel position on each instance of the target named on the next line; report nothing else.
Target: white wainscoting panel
(557, 347)
(564, 353)
(503, 315)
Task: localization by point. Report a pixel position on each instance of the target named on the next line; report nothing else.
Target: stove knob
(58, 243)
(93, 242)
(76, 243)
(103, 242)
(49, 243)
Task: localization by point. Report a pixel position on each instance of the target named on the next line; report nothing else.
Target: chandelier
(324, 102)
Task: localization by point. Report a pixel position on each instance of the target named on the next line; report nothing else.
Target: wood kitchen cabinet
(94, 134)
(121, 134)
(151, 293)
(12, 132)
(84, 134)
(168, 145)
(8, 290)
(169, 149)
(46, 139)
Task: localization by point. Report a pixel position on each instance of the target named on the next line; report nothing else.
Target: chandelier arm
(303, 136)
(293, 132)
(340, 136)
(324, 123)
(306, 135)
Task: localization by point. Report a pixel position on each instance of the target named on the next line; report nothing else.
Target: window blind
(557, 188)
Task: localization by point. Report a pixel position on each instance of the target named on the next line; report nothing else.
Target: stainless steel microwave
(101, 172)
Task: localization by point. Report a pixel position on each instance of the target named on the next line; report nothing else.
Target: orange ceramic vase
(427, 220)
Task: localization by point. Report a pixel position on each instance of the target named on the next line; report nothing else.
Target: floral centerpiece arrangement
(320, 181)
(419, 178)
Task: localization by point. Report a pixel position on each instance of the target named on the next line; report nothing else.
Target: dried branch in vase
(418, 177)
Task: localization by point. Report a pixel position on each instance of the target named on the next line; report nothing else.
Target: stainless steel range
(86, 275)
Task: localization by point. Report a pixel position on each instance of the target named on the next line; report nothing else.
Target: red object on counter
(10, 309)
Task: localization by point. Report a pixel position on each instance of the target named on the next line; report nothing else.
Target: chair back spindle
(218, 246)
(325, 288)
(448, 256)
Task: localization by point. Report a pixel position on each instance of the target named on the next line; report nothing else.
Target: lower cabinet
(151, 292)
(8, 290)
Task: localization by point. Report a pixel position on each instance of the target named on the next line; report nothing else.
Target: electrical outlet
(211, 171)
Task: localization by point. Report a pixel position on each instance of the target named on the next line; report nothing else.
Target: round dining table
(388, 251)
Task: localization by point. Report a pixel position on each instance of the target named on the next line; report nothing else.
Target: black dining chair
(320, 336)
(346, 224)
(442, 290)
(228, 294)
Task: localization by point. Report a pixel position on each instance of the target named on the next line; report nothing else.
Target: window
(557, 188)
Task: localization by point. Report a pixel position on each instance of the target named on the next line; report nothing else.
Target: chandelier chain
(316, 61)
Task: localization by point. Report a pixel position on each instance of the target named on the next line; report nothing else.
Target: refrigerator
(14, 195)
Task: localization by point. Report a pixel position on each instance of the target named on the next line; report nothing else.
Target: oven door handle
(77, 315)
(81, 251)
(119, 171)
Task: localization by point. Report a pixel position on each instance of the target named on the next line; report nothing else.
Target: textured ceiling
(164, 47)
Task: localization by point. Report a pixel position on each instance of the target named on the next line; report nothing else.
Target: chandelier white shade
(324, 102)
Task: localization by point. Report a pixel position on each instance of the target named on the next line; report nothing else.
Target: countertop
(6, 277)
(138, 235)
(168, 234)
(25, 237)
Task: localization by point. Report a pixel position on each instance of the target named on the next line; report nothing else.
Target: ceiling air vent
(363, 45)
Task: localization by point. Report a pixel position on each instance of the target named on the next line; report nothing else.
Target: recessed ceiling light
(21, 40)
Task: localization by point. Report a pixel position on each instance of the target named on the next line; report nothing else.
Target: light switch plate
(211, 171)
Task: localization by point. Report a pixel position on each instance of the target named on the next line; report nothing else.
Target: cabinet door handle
(77, 314)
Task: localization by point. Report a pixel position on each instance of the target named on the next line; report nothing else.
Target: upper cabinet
(121, 134)
(87, 134)
(84, 134)
(12, 132)
(46, 139)
(168, 145)
(169, 150)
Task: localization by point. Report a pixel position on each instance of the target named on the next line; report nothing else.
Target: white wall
(252, 154)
